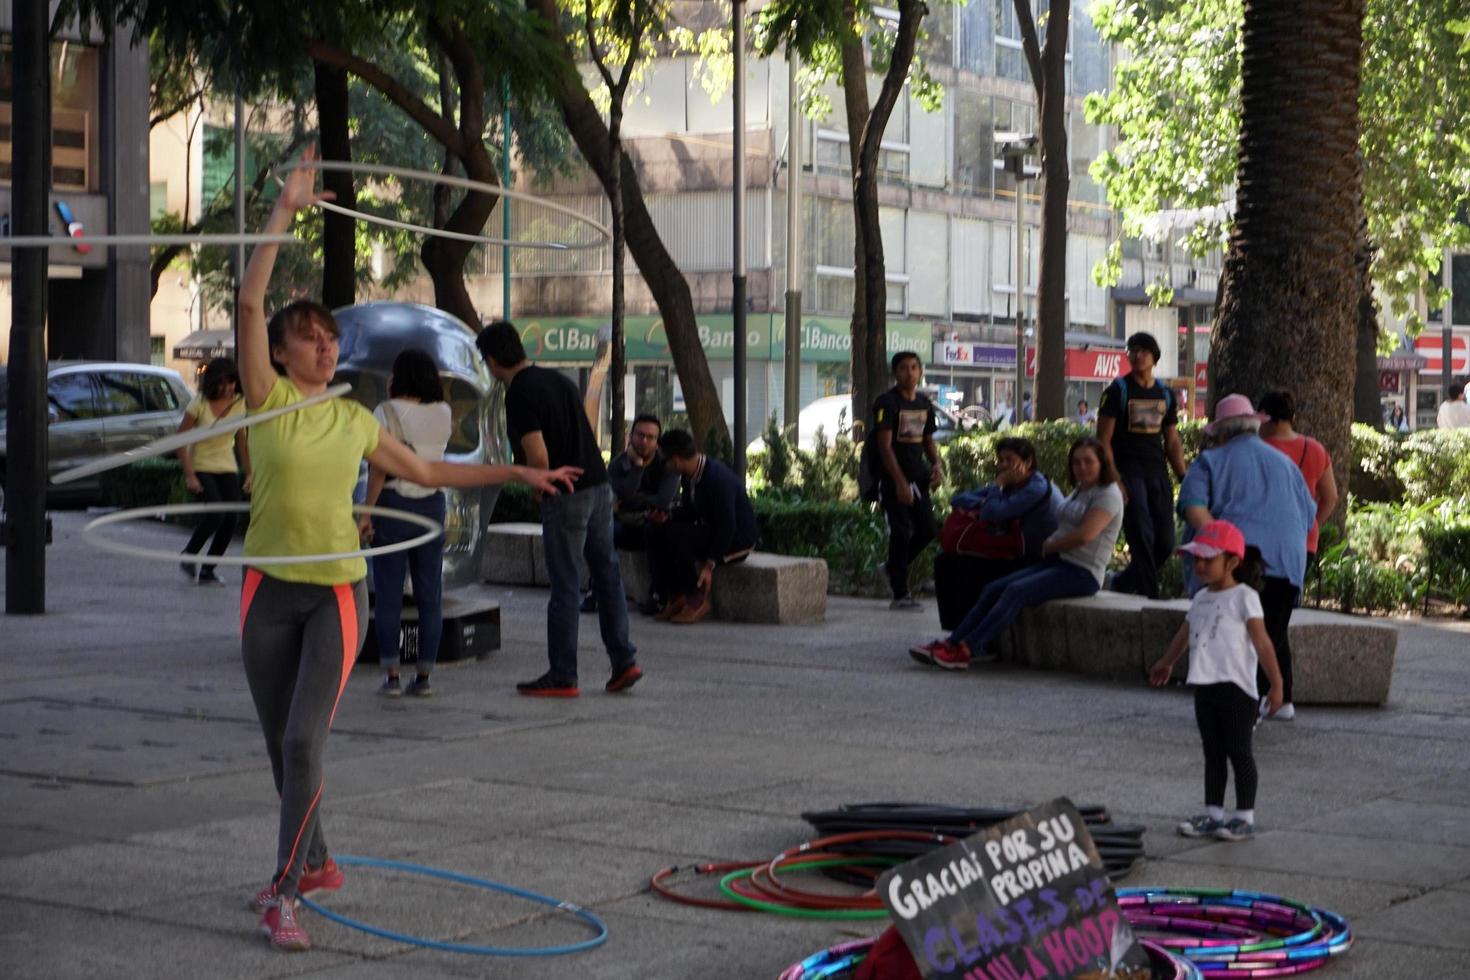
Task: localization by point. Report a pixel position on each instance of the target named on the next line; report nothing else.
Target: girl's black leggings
(1226, 717)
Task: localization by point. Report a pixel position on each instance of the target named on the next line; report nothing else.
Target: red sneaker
(623, 679)
(327, 878)
(280, 925)
(953, 656)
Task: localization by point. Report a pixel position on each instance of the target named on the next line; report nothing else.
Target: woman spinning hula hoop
(303, 625)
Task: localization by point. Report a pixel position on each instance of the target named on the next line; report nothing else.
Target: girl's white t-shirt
(426, 429)
(1220, 648)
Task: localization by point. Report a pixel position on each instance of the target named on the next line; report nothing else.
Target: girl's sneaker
(392, 687)
(1235, 829)
(1203, 825)
(280, 925)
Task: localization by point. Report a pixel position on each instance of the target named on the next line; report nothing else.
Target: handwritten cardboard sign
(1027, 899)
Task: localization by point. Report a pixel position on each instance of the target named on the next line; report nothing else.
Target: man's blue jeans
(575, 524)
(1001, 602)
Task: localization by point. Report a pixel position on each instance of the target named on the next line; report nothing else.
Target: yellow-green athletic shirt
(305, 466)
(215, 455)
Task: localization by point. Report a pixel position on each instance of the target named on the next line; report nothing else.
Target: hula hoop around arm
(146, 240)
(432, 530)
(179, 440)
(449, 180)
(365, 862)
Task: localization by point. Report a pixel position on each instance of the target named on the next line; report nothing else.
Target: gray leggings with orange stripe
(299, 643)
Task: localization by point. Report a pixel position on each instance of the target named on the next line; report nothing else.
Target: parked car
(372, 336)
(833, 416)
(98, 408)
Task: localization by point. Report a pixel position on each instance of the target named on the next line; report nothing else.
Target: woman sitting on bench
(1075, 557)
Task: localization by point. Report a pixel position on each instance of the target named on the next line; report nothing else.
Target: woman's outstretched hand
(561, 479)
(298, 190)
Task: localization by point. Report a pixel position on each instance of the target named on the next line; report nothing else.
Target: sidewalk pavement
(139, 815)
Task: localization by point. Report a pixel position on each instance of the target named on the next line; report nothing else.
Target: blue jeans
(1001, 602)
(575, 524)
(425, 564)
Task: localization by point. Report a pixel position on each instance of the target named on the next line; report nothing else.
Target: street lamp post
(1014, 148)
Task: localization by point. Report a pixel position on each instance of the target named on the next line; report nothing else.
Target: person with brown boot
(714, 526)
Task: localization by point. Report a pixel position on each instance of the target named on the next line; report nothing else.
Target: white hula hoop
(179, 440)
(449, 180)
(102, 241)
(432, 530)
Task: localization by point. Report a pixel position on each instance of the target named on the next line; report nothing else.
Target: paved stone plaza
(139, 816)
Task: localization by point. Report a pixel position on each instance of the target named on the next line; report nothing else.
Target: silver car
(97, 408)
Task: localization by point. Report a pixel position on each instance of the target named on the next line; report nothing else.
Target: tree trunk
(665, 281)
(1367, 408)
(855, 100)
(1051, 293)
(1291, 287)
(870, 347)
(339, 247)
(619, 368)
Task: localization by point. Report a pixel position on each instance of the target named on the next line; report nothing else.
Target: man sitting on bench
(642, 485)
(713, 524)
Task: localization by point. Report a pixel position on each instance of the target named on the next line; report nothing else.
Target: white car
(833, 415)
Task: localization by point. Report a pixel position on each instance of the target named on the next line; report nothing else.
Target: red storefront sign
(1086, 365)
(1201, 376)
(1388, 382)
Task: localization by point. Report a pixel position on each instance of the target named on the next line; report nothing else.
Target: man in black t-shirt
(548, 428)
(903, 424)
(1137, 423)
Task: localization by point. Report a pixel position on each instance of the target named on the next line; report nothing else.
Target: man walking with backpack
(1138, 423)
(907, 465)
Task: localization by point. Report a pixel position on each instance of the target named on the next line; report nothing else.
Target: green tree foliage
(1176, 106)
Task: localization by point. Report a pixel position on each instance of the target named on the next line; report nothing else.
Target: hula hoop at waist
(432, 530)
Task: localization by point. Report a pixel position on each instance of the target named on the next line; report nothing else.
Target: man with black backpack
(1138, 423)
(902, 455)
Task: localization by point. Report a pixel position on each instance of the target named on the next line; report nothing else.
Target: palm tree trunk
(1289, 315)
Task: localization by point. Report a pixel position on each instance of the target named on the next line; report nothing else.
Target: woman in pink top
(1279, 410)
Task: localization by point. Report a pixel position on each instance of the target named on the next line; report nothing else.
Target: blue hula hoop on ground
(463, 879)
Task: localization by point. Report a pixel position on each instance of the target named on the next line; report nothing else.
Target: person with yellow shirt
(210, 468)
(303, 625)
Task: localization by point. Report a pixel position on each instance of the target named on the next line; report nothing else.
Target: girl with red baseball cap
(1225, 634)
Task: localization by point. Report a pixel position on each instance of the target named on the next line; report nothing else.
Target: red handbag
(966, 533)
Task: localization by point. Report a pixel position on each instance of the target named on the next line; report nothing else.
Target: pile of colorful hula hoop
(841, 960)
(857, 858)
(1119, 845)
(1237, 933)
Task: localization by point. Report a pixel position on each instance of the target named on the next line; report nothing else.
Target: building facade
(97, 305)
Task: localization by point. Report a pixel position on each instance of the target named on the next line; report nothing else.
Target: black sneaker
(548, 686)
(623, 678)
(392, 687)
(191, 572)
(589, 603)
(209, 576)
(419, 687)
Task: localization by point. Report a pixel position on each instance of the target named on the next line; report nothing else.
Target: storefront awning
(201, 345)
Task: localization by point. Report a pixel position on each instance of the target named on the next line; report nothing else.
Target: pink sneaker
(280, 925)
(327, 878)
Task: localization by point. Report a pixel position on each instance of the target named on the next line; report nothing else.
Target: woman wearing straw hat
(1245, 481)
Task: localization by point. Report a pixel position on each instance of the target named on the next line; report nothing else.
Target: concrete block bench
(764, 588)
(1336, 659)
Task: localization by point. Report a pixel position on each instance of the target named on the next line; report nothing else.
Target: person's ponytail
(1252, 568)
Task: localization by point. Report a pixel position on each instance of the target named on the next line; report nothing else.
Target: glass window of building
(1091, 64)
(1085, 145)
(75, 111)
(974, 148)
(977, 38)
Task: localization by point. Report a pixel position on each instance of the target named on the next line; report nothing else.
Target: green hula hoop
(756, 903)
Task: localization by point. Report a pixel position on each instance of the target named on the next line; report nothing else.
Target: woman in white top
(1074, 559)
(211, 471)
(417, 414)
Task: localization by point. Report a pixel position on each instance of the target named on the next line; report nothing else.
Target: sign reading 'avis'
(1027, 899)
